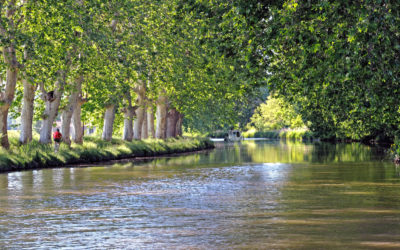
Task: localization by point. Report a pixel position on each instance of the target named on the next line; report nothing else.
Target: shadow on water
(253, 194)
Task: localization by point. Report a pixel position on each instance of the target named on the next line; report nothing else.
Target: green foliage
(290, 134)
(334, 64)
(204, 55)
(36, 155)
(275, 114)
(252, 133)
(216, 85)
(299, 134)
(338, 62)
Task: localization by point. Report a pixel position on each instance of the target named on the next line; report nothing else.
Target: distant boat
(233, 135)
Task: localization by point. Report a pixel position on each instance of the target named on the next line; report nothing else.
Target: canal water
(252, 195)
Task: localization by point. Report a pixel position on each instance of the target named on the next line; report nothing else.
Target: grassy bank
(292, 134)
(35, 155)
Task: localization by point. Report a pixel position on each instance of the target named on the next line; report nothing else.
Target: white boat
(233, 135)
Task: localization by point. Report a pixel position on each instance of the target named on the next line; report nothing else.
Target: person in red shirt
(57, 136)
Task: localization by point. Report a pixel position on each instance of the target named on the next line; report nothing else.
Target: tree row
(145, 67)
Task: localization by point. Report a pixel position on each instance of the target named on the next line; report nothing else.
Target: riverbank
(292, 134)
(35, 155)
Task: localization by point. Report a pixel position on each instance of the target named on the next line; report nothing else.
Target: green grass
(292, 134)
(36, 155)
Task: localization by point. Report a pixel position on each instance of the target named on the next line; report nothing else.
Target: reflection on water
(255, 194)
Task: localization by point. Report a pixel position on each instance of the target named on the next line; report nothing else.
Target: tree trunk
(3, 126)
(161, 116)
(8, 30)
(109, 117)
(145, 133)
(178, 130)
(129, 113)
(27, 106)
(27, 111)
(138, 123)
(66, 118)
(7, 96)
(6, 100)
(52, 102)
(140, 111)
(68, 111)
(77, 136)
(150, 122)
(172, 119)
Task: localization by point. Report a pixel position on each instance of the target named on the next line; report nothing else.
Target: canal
(254, 194)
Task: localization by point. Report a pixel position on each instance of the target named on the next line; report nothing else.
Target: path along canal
(254, 194)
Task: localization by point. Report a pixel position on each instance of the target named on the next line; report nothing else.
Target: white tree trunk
(77, 136)
(161, 116)
(27, 106)
(11, 64)
(145, 133)
(138, 123)
(7, 96)
(3, 125)
(52, 103)
(172, 119)
(129, 113)
(179, 123)
(150, 122)
(140, 111)
(6, 100)
(27, 111)
(109, 117)
(128, 124)
(67, 115)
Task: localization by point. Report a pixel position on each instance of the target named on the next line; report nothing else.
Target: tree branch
(42, 89)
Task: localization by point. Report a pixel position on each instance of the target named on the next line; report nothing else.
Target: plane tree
(338, 63)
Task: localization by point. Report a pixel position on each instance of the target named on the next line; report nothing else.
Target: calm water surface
(252, 195)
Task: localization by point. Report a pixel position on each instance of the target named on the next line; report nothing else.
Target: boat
(233, 135)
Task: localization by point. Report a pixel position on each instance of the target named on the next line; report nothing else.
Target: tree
(338, 62)
(11, 24)
(196, 62)
(275, 113)
(211, 77)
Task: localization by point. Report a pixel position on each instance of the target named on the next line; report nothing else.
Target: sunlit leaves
(205, 55)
